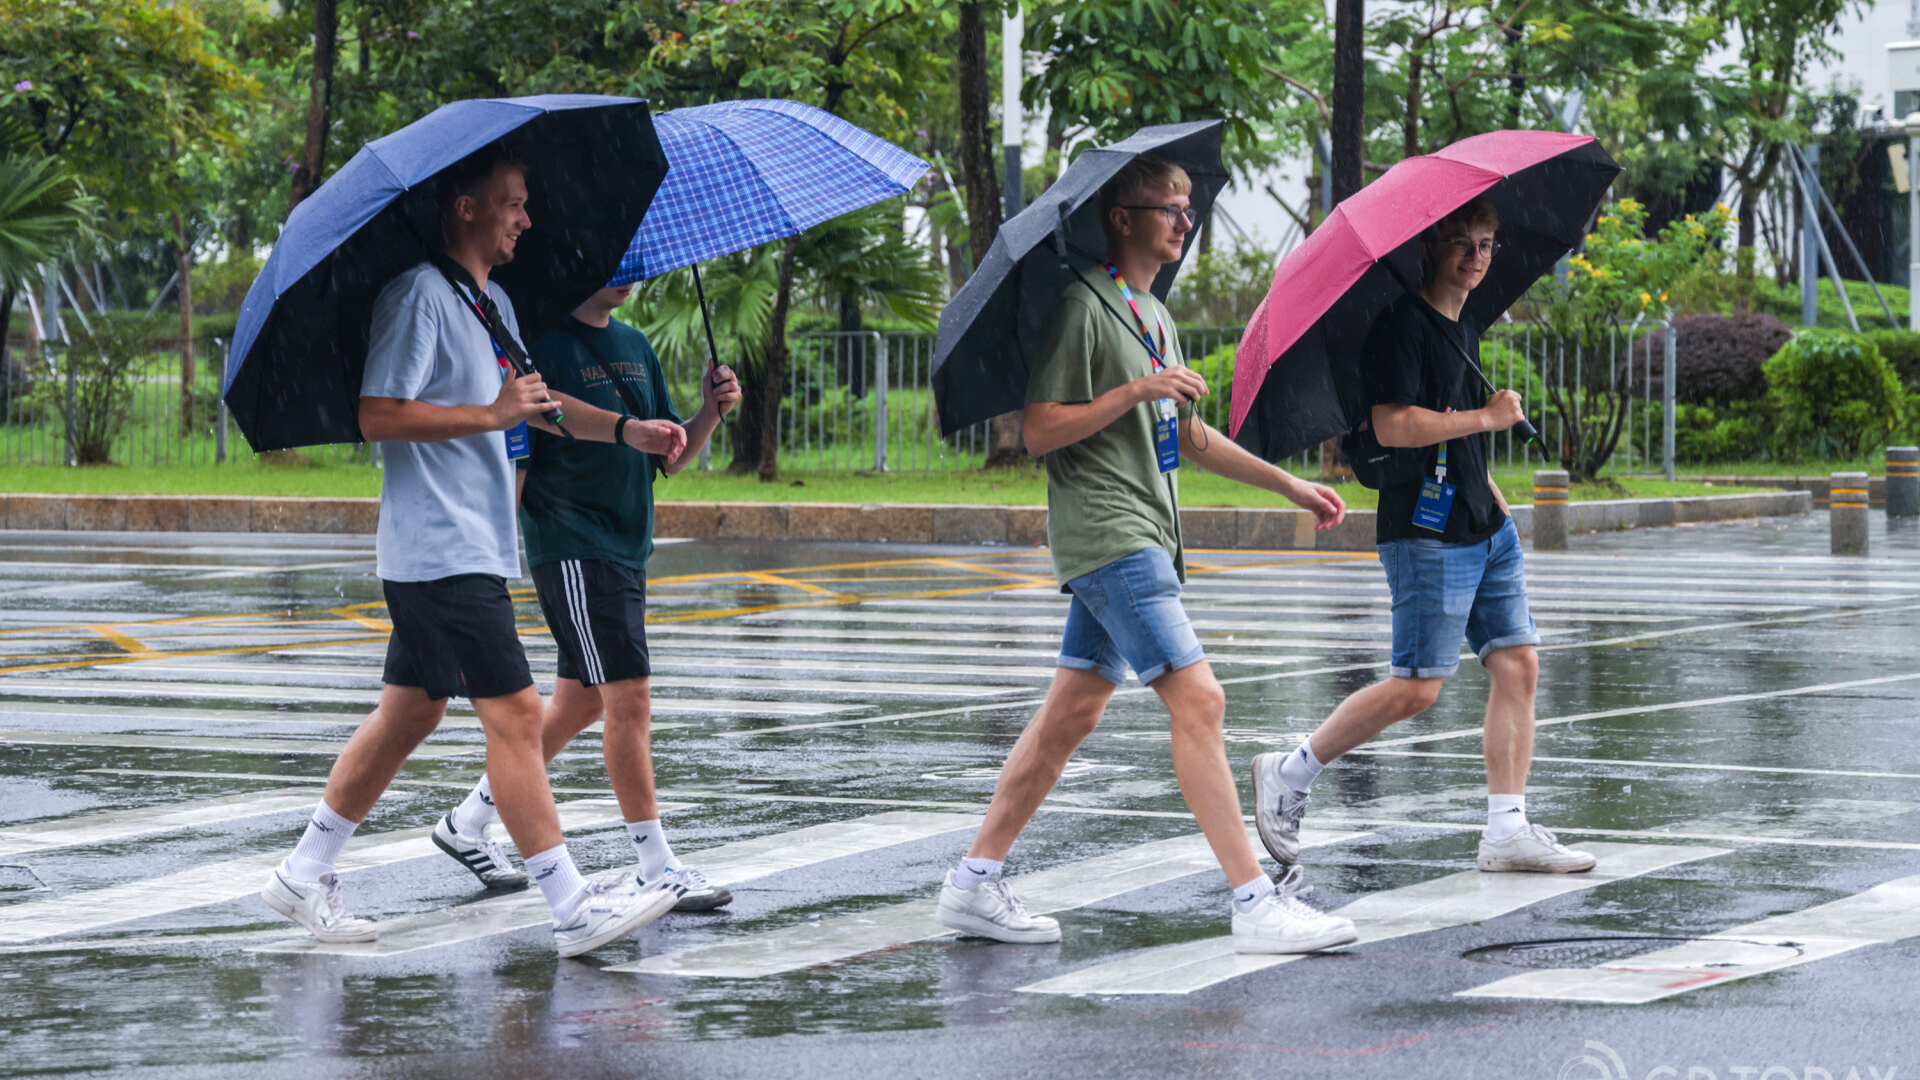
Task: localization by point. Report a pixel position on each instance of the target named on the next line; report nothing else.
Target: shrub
(1718, 358)
(1734, 431)
(1835, 394)
(103, 363)
(1901, 350)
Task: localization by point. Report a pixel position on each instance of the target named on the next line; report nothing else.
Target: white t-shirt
(446, 508)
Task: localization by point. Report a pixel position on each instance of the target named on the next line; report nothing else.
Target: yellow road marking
(123, 640)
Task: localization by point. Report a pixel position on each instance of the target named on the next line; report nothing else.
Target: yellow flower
(1663, 296)
(1646, 299)
(1722, 207)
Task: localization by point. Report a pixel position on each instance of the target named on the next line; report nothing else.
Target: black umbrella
(991, 328)
(1296, 379)
(301, 343)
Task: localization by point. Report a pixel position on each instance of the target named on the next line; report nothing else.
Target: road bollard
(1550, 510)
(1903, 481)
(1847, 508)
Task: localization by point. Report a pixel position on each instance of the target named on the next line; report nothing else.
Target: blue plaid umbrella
(742, 173)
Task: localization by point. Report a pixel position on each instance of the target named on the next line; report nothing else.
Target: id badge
(1436, 501)
(517, 447)
(1166, 435)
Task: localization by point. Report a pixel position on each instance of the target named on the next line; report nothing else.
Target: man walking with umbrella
(1451, 554)
(587, 512)
(1103, 403)
(440, 389)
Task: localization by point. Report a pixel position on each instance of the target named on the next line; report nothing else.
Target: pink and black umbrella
(1296, 373)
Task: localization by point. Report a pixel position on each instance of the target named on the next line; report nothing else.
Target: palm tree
(43, 211)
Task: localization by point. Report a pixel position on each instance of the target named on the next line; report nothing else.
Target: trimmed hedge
(1718, 358)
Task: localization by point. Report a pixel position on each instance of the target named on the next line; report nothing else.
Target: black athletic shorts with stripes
(598, 613)
(455, 635)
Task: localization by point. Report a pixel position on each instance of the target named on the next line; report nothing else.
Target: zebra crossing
(874, 697)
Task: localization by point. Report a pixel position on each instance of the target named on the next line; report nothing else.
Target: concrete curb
(1265, 529)
(1814, 485)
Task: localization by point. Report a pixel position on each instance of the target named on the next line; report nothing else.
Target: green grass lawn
(1025, 486)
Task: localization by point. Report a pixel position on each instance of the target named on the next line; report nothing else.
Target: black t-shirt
(1407, 362)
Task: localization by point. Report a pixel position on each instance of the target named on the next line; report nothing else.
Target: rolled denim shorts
(1442, 592)
(1128, 614)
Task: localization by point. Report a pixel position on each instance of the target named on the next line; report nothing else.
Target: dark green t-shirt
(593, 500)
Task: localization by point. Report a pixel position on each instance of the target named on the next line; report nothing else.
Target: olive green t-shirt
(594, 500)
(1106, 495)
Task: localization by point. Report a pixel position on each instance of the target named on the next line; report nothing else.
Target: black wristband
(619, 426)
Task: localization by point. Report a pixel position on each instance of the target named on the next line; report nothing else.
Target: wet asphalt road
(1728, 715)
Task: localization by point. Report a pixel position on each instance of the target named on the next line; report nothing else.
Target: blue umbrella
(301, 343)
(750, 172)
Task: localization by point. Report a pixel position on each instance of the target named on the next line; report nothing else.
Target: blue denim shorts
(1128, 614)
(1444, 591)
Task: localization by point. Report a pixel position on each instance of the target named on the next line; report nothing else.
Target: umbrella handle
(713, 352)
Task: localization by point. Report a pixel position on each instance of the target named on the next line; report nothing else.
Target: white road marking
(27, 686)
(221, 882)
(1882, 915)
(728, 864)
(1062, 888)
(214, 743)
(17, 711)
(114, 825)
(1454, 900)
(1785, 769)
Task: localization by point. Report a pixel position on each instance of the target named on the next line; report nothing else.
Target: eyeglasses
(1486, 249)
(1172, 212)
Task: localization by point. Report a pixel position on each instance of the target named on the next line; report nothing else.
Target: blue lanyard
(1155, 350)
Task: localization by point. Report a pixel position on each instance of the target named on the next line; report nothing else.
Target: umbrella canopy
(301, 343)
(750, 172)
(992, 327)
(1296, 373)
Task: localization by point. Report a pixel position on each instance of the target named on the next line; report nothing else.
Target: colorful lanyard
(1154, 351)
(499, 354)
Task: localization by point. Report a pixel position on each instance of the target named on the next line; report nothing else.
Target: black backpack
(1378, 467)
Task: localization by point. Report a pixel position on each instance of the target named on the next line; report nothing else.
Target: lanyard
(1155, 350)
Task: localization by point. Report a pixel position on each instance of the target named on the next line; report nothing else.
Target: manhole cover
(1584, 952)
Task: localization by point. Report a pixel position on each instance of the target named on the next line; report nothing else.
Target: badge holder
(1436, 497)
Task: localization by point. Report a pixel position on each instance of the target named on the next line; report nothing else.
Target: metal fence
(853, 401)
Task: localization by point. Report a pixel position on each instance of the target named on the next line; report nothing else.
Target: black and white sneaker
(700, 894)
(482, 854)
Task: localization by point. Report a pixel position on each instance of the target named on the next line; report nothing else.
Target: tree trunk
(1410, 127)
(1348, 126)
(1516, 82)
(747, 429)
(313, 159)
(1006, 441)
(853, 350)
(773, 374)
(183, 262)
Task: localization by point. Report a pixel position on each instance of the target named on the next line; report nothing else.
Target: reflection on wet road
(1727, 718)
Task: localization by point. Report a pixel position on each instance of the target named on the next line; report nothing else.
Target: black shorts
(597, 611)
(455, 635)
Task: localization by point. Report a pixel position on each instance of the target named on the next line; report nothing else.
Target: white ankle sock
(320, 845)
(476, 812)
(1506, 816)
(559, 880)
(974, 871)
(651, 848)
(1246, 897)
(1298, 769)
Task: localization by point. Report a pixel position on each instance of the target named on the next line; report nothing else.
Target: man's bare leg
(1508, 737)
(1198, 707)
(1366, 713)
(1076, 700)
(517, 770)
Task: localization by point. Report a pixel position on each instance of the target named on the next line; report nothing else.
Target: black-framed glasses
(1172, 212)
(1486, 249)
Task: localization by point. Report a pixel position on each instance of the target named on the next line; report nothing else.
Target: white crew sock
(320, 845)
(1247, 897)
(1298, 769)
(651, 848)
(1506, 816)
(559, 880)
(476, 812)
(974, 871)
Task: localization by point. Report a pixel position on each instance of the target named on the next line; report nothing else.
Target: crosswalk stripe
(1454, 900)
(114, 825)
(212, 743)
(727, 864)
(1882, 915)
(221, 882)
(71, 688)
(1062, 888)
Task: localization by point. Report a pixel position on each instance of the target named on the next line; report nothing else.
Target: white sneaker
(1284, 923)
(991, 910)
(697, 893)
(482, 854)
(1277, 809)
(317, 905)
(608, 912)
(1534, 849)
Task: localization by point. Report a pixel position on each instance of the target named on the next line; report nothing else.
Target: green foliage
(1723, 431)
(866, 257)
(103, 364)
(1901, 350)
(1783, 301)
(740, 291)
(1621, 273)
(1834, 394)
(1222, 287)
(42, 212)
